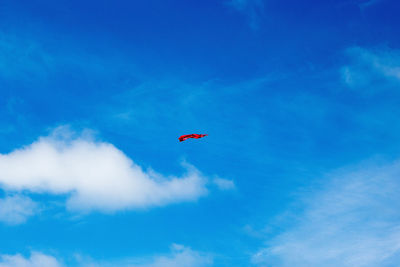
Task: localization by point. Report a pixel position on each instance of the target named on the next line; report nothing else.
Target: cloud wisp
(17, 209)
(353, 220)
(178, 256)
(224, 184)
(368, 4)
(369, 67)
(36, 259)
(93, 175)
(181, 256)
(252, 9)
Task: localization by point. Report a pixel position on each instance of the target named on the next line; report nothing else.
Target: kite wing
(187, 136)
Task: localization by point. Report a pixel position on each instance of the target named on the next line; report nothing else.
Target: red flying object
(197, 136)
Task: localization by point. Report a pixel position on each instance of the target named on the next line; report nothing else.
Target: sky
(300, 101)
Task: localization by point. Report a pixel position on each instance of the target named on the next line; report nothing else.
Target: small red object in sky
(197, 136)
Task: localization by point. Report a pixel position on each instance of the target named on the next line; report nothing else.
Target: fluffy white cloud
(16, 209)
(371, 67)
(94, 175)
(36, 260)
(353, 220)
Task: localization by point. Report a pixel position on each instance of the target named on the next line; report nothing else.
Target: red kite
(197, 136)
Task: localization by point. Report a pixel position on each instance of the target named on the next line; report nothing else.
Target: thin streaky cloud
(368, 3)
(252, 9)
(352, 220)
(371, 67)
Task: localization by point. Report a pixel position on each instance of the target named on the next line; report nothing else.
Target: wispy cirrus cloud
(23, 59)
(17, 209)
(42, 60)
(368, 3)
(371, 68)
(351, 220)
(93, 175)
(252, 9)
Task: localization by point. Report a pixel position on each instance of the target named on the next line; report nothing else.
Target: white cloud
(36, 260)
(94, 175)
(371, 67)
(224, 184)
(180, 256)
(353, 220)
(16, 209)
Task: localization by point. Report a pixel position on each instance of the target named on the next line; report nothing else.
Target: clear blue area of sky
(262, 78)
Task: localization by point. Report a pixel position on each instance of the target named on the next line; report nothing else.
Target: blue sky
(300, 101)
